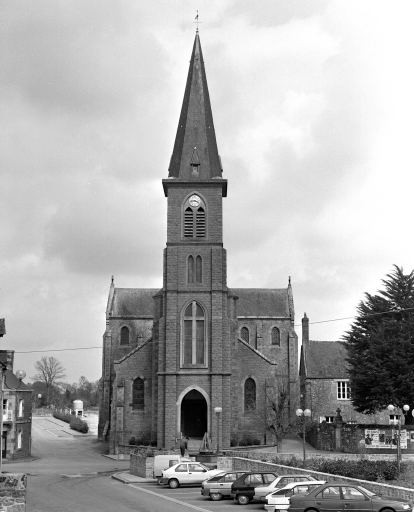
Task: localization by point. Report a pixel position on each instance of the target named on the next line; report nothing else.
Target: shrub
(77, 424)
(62, 416)
(233, 441)
(256, 441)
(131, 440)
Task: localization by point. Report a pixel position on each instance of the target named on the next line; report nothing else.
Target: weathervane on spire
(196, 20)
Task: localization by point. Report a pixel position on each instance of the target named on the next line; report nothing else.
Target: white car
(280, 499)
(262, 491)
(187, 473)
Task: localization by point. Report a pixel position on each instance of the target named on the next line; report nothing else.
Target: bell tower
(194, 356)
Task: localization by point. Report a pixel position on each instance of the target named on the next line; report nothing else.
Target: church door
(194, 414)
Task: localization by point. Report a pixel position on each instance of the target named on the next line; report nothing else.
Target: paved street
(71, 473)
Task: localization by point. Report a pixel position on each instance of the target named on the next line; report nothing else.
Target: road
(71, 474)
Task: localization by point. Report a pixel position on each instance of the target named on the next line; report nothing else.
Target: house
(16, 411)
(325, 385)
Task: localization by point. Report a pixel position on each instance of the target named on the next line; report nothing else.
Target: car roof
(294, 475)
(305, 482)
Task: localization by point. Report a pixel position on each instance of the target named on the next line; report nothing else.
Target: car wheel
(242, 499)
(173, 483)
(215, 496)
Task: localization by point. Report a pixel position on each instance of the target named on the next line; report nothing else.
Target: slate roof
(325, 360)
(12, 382)
(196, 127)
(133, 302)
(262, 301)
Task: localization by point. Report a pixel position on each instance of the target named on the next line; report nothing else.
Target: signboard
(384, 438)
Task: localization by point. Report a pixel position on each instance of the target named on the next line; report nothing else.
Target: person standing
(183, 446)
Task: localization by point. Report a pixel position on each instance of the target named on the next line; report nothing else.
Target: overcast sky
(313, 109)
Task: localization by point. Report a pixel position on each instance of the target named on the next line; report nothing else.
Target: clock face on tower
(194, 200)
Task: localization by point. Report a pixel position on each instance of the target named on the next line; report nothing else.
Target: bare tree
(49, 371)
(278, 418)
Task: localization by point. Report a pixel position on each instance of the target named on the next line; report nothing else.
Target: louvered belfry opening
(195, 220)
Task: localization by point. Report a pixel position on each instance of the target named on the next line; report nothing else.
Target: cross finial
(196, 20)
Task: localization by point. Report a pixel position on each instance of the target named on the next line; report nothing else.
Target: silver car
(262, 491)
(219, 486)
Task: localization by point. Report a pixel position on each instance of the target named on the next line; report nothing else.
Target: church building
(195, 356)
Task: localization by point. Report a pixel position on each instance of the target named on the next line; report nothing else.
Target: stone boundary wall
(405, 457)
(141, 466)
(258, 465)
(13, 489)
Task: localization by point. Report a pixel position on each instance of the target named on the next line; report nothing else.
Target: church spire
(196, 136)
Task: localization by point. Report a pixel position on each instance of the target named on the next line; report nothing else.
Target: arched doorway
(193, 414)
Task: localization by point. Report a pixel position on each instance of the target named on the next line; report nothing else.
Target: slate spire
(195, 155)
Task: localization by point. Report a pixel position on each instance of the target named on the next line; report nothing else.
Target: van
(162, 462)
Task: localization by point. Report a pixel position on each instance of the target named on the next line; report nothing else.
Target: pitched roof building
(172, 355)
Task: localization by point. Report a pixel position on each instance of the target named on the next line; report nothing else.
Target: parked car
(219, 486)
(188, 473)
(162, 462)
(243, 488)
(280, 499)
(261, 492)
(343, 496)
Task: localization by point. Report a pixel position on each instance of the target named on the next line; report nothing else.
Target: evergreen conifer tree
(380, 346)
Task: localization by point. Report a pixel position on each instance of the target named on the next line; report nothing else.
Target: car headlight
(406, 505)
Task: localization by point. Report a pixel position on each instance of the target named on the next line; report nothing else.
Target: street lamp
(306, 414)
(218, 411)
(404, 410)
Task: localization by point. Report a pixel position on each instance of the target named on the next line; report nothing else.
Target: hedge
(75, 423)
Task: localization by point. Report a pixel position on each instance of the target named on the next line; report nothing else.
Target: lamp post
(404, 410)
(306, 413)
(218, 411)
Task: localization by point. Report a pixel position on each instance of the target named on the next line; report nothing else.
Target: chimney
(305, 329)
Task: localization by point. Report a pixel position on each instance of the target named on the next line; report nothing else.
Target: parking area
(191, 496)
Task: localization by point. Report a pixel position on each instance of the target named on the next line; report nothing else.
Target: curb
(127, 478)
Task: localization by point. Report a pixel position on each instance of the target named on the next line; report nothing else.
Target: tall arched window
(138, 397)
(199, 270)
(244, 334)
(194, 225)
(249, 395)
(193, 340)
(124, 336)
(275, 334)
(190, 270)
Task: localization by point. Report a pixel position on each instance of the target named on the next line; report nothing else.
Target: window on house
(344, 390)
(249, 395)
(190, 270)
(327, 419)
(124, 336)
(275, 336)
(20, 408)
(193, 340)
(6, 410)
(19, 439)
(194, 218)
(394, 419)
(244, 334)
(138, 397)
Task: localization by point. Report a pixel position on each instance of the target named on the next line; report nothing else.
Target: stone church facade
(172, 355)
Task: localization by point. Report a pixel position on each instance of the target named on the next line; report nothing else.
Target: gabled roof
(13, 383)
(262, 302)
(324, 360)
(195, 128)
(132, 302)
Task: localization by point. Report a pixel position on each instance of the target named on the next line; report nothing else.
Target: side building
(16, 413)
(325, 385)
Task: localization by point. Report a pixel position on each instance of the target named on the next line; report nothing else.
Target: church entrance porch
(194, 415)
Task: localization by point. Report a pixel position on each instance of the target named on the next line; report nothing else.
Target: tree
(49, 371)
(278, 414)
(380, 346)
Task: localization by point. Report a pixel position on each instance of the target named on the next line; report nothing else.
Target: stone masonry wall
(13, 490)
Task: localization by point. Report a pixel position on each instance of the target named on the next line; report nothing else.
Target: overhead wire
(296, 325)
